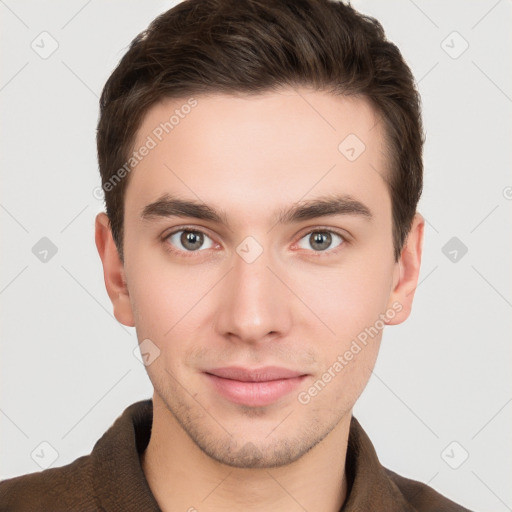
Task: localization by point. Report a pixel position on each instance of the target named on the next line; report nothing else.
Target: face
(259, 266)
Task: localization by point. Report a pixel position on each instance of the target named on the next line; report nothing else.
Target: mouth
(254, 387)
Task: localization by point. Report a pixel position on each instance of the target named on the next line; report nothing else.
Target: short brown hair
(255, 46)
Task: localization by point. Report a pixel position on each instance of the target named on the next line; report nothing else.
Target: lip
(262, 374)
(254, 387)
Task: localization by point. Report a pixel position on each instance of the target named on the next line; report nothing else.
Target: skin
(294, 306)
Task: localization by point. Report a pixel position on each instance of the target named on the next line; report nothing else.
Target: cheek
(344, 374)
(161, 306)
(347, 297)
(168, 300)
(162, 324)
(356, 373)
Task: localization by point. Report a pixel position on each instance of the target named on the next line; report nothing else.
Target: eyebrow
(167, 206)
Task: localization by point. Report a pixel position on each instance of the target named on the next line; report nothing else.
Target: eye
(189, 240)
(320, 240)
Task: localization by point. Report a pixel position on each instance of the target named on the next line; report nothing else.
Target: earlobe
(113, 271)
(407, 269)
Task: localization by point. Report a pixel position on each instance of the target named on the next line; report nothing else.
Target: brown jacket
(111, 479)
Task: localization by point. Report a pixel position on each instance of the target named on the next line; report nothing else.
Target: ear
(113, 271)
(406, 273)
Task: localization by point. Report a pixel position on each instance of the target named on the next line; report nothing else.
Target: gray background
(441, 389)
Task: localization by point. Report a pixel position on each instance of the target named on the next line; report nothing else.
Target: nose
(253, 303)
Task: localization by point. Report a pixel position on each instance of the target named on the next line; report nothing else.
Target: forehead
(261, 151)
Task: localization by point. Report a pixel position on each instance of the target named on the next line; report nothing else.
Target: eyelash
(316, 254)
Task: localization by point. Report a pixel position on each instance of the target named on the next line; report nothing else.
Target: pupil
(191, 240)
(321, 238)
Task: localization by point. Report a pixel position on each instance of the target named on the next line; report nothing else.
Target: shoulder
(422, 497)
(377, 487)
(57, 489)
(110, 476)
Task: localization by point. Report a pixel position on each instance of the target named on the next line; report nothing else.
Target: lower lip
(255, 394)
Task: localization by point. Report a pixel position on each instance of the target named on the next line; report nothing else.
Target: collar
(120, 484)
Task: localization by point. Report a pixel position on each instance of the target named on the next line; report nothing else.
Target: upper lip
(255, 374)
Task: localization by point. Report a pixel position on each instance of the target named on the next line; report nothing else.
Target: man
(262, 163)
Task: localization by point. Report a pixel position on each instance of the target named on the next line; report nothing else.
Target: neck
(182, 477)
